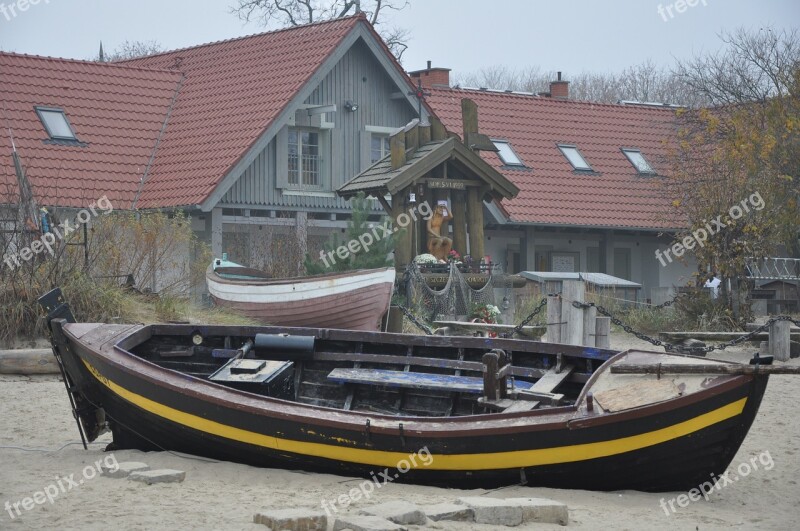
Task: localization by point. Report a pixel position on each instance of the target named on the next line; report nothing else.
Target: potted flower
(426, 262)
(485, 313)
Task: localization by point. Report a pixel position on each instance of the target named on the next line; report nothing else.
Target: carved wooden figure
(438, 245)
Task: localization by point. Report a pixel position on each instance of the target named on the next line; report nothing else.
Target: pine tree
(359, 229)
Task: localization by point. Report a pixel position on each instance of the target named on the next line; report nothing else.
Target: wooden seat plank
(552, 379)
(414, 380)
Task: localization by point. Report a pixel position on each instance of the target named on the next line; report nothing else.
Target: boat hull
(673, 445)
(352, 301)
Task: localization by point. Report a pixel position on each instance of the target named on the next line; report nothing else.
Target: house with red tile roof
(242, 134)
(590, 178)
(258, 132)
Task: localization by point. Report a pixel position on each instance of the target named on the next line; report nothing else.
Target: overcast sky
(465, 35)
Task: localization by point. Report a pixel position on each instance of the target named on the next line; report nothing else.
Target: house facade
(590, 175)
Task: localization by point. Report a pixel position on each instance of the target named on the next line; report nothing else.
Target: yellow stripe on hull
(465, 462)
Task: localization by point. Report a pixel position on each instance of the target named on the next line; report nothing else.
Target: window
(379, 147)
(639, 162)
(55, 123)
(507, 154)
(304, 158)
(574, 157)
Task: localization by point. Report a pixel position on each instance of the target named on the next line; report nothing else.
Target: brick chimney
(431, 76)
(559, 89)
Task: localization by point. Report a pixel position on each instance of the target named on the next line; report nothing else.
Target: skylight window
(574, 157)
(506, 153)
(638, 161)
(56, 123)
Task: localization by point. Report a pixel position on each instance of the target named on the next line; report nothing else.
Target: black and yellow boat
(485, 412)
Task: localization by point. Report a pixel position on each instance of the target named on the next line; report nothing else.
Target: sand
(217, 495)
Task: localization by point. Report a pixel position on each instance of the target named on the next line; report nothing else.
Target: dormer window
(506, 153)
(574, 157)
(56, 124)
(639, 162)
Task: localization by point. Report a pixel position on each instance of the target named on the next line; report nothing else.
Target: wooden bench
(463, 328)
(415, 380)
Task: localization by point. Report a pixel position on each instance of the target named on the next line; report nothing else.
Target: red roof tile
(551, 193)
(232, 92)
(115, 111)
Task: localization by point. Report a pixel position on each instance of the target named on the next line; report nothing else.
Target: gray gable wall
(358, 76)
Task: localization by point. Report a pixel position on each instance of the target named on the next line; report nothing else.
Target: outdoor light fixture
(351, 106)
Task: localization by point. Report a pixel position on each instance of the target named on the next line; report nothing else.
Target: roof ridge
(88, 62)
(243, 37)
(531, 95)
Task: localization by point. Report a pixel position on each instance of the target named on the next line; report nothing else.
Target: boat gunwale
(212, 275)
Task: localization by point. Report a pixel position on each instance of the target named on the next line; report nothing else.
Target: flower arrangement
(487, 313)
(453, 256)
(425, 259)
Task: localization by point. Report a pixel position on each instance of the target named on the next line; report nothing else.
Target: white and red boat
(349, 300)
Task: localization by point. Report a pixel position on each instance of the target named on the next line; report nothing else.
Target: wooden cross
(420, 94)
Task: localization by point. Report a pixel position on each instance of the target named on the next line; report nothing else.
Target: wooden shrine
(433, 173)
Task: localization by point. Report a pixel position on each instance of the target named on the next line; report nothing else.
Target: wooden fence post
(589, 326)
(779, 340)
(553, 319)
(572, 290)
(602, 333)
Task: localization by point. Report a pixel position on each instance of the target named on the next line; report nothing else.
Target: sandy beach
(35, 414)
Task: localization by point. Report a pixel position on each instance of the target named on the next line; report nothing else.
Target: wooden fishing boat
(353, 300)
(482, 412)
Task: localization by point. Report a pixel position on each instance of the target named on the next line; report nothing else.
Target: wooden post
(459, 202)
(424, 134)
(301, 236)
(572, 290)
(397, 148)
(403, 253)
(490, 362)
(602, 333)
(475, 222)
(590, 327)
(438, 131)
(469, 117)
(553, 319)
(779, 340)
(412, 140)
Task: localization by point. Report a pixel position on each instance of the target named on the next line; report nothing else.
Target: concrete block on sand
(448, 511)
(366, 523)
(162, 475)
(398, 511)
(125, 469)
(292, 519)
(493, 511)
(542, 510)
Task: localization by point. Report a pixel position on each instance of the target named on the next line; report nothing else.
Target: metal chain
(411, 317)
(668, 303)
(672, 347)
(527, 320)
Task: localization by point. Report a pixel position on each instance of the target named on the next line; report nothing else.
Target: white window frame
(505, 162)
(562, 147)
(323, 161)
(628, 151)
(41, 111)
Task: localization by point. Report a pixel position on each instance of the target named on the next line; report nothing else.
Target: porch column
(475, 222)
(402, 241)
(301, 235)
(216, 232)
(459, 204)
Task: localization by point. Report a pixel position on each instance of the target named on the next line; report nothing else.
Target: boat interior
(390, 374)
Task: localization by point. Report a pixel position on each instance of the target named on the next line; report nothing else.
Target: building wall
(358, 77)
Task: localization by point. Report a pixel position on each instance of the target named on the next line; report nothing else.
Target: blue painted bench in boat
(416, 380)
